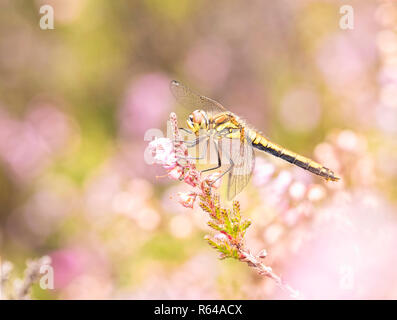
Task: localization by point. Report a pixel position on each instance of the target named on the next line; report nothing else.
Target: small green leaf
(215, 226)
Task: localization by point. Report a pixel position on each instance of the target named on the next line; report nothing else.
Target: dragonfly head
(197, 120)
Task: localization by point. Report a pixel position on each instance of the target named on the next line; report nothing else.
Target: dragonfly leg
(188, 144)
(186, 130)
(223, 173)
(196, 141)
(191, 144)
(199, 158)
(219, 159)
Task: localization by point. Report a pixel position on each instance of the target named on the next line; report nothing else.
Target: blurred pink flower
(195, 279)
(341, 62)
(51, 124)
(291, 216)
(345, 58)
(147, 102)
(350, 252)
(74, 263)
(26, 145)
(297, 190)
(281, 183)
(262, 172)
(316, 193)
(68, 264)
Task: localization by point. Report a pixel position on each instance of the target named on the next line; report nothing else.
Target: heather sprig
(20, 289)
(229, 225)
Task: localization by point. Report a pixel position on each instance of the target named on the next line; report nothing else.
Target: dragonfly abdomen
(264, 144)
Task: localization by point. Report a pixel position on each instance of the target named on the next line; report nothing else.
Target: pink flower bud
(227, 235)
(187, 199)
(192, 178)
(176, 173)
(220, 237)
(170, 162)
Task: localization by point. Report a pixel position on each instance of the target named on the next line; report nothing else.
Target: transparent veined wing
(242, 157)
(193, 101)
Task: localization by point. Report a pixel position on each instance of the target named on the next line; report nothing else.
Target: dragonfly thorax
(198, 120)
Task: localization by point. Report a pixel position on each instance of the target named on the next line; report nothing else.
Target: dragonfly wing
(243, 158)
(193, 101)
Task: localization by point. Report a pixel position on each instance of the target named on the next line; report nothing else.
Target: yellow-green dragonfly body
(234, 138)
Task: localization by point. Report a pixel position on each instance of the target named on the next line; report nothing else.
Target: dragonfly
(233, 140)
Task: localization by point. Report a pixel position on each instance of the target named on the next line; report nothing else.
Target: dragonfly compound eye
(200, 118)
